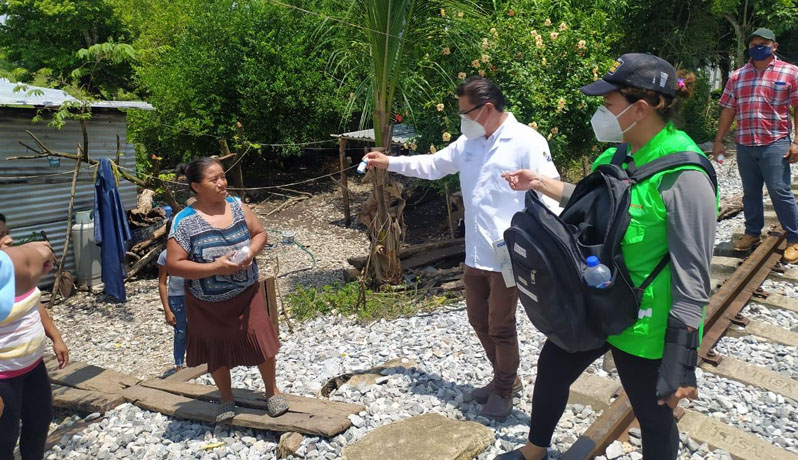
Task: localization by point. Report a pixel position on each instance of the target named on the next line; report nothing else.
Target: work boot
(481, 395)
(497, 408)
(746, 242)
(791, 254)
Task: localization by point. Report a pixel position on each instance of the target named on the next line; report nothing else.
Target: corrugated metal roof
(24, 95)
(401, 133)
(32, 204)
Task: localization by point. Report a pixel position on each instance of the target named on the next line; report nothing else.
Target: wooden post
(344, 189)
(238, 175)
(449, 210)
(57, 283)
(268, 289)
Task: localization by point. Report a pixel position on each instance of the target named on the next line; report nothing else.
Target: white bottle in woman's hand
(240, 255)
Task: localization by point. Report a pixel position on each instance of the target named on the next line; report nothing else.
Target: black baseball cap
(767, 34)
(639, 70)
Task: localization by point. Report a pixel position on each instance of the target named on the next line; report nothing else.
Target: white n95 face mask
(606, 127)
(470, 128)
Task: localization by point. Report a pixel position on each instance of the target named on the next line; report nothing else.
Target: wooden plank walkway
(327, 422)
(86, 388)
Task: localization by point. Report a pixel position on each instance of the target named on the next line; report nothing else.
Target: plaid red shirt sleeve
(727, 99)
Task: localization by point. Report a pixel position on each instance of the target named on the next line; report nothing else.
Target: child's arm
(164, 293)
(59, 347)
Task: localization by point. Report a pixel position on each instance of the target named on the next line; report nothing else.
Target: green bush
(539, 53)
(700, 113)
(228, 61)
(306, 303)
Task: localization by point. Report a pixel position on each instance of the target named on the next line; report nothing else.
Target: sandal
(227, 410)
(276, 406)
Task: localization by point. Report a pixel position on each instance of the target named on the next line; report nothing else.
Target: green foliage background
(206, 64)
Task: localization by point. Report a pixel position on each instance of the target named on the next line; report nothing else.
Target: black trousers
(28, 398)
(558, 369)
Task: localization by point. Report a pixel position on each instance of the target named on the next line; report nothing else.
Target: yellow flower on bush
(446, 136)
(413, 146)
(544, 62)
(554, 36)
(461, 75)
(534, 126)
(554, 131)
(595, 73)
(560, 105)
(534, 33)
(485, 44)
(547, 23)
(539, 42)
(446, 50)
(440, 107)
(432, 149)
(493, 31)
(460, 14)
(443, 12)
(475, 63)
(481, 73)
(548, 138)
(563, 27)
(581, 45)
(485, 58)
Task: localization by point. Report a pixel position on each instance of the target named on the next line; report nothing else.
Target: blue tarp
(111, 231)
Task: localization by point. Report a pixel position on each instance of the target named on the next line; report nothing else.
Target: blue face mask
(760, 52)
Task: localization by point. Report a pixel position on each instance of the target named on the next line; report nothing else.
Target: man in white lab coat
(492, 142)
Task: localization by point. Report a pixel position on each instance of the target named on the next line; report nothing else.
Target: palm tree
(380, 44)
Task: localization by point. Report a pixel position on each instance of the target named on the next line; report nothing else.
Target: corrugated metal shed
(35, 196)
(401, 134)
(23, 95)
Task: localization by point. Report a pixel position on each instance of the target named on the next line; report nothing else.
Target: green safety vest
(645, 244)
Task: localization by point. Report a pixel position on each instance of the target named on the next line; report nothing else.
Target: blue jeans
(178, 307)
(766, 165)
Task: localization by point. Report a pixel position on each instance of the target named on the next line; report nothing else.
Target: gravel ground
(770, 416)
(319, 227)
(782, 318)
(779, 358)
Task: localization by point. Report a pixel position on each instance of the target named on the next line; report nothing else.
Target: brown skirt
(235, 332)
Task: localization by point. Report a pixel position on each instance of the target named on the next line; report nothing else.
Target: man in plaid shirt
(759, 95)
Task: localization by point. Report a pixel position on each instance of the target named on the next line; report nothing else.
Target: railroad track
(723, 317)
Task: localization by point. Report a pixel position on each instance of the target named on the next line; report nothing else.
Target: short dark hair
(480, 91)
(195, 171)
(2, 218)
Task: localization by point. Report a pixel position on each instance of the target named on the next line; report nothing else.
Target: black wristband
(679, 359)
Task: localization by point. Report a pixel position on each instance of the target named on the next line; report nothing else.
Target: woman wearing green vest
(672, 212)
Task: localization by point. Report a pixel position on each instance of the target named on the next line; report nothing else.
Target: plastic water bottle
(597, 275)
(240, 255)
(361, 168)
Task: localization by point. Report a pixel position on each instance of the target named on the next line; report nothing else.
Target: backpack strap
(619, 157)
(660, 266)
(675, 160)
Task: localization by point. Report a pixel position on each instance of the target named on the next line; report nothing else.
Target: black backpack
(548, 253)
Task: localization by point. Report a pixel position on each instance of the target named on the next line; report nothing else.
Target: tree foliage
(40, 40)
(229, 61)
